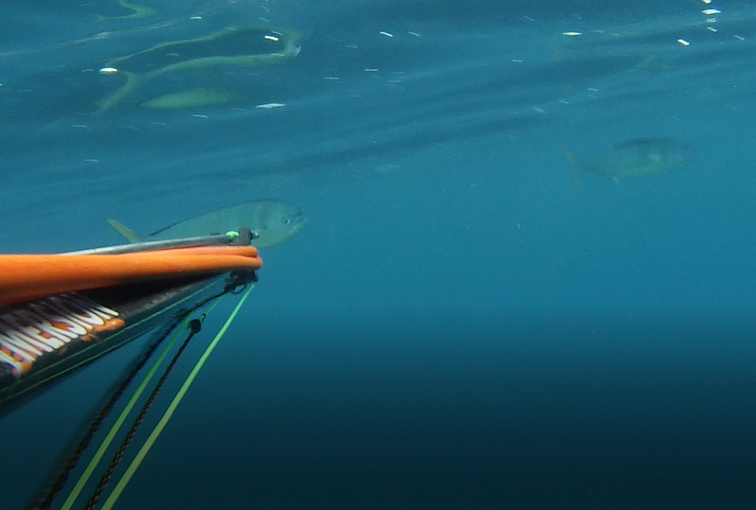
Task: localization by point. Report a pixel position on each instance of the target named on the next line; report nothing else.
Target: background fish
(201, 96)
(639, 158)
(273, 221)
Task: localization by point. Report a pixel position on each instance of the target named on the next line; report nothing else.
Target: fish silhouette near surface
(642, 157)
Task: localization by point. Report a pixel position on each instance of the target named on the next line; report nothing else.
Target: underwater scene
(377, 254)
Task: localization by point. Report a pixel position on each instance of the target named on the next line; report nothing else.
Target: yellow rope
(71, 499)
(113, 497)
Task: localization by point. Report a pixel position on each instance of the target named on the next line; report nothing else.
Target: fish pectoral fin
(125, 231)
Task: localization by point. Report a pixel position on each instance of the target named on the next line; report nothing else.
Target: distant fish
(271, 220)
(190, 98)
(639, 158)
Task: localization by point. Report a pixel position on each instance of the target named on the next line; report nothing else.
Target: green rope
(70, 461)
(195, 327)
(113, 497)
(71, 499)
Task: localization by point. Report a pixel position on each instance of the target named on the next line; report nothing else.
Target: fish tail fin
(125, 231)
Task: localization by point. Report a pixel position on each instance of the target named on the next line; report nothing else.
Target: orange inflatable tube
(26, 277)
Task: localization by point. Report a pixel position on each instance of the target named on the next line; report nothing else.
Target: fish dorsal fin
(125, 231)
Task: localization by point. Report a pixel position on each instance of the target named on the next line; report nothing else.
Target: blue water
(459, 326)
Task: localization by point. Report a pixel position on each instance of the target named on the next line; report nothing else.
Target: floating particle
(709, 12)
(386, 34)
(195, 18)
(414, 34)
(739, 38)
(271, 38)
(707, 2)
(711, 29)
(270, 106)
(108, 70)
(572, 34)
(683, 42)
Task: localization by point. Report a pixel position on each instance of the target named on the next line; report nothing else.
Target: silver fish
(639, 158)
(272, 221)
